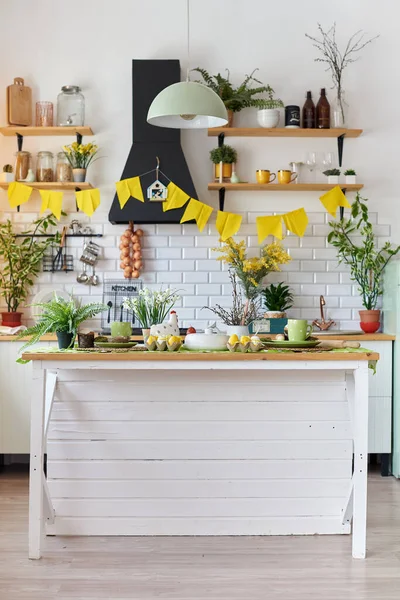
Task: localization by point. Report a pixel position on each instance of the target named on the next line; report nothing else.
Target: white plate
(45, 295)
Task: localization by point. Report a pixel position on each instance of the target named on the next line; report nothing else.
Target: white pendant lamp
(187, 105)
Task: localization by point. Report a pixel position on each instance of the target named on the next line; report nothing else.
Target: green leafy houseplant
(22, 258)
(150, 306)
(61, 316)
(332, 172)
(365, 260)
(278, 298)
(236, 99)
(224, 153)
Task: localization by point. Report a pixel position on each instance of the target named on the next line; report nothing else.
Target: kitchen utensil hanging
(59, 260)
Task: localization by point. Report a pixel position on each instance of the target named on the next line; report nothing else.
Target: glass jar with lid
(70, 107)
(23, 162)
(63, 168)
(44, 166)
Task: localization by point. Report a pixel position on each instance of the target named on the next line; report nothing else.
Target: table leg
(36, 520)
(360, 460)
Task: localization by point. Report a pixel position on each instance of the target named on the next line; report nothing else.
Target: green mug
(121, 328)
(298, 330)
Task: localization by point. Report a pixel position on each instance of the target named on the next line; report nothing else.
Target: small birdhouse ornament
(157, 191)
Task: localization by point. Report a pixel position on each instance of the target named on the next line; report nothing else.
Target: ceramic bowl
(206, 341)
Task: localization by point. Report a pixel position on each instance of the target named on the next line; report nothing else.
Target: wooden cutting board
(19, 103)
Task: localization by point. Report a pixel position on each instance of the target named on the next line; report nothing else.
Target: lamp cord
(188, 37)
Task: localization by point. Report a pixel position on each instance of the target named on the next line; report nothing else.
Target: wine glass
(311, 162)
(328, 160)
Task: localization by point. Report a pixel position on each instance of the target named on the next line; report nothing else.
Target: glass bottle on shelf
(63, 168)
(308, 113)
(339, 110)
(323, 112)
(44, 166)
(70, 107)
(23, 162)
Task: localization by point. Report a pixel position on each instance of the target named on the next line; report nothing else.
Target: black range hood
(149, 77)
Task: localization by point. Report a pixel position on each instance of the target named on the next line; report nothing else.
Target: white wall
(92, 43)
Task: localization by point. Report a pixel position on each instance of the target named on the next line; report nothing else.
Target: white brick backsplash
(147, 277)
(294, 265)
(160, 266)
(224, 301)
(316, 217)
(223, 277)
(321, 230)
(291, 242)
(196, 301)
(305, 253)
(169, 277)
(326, 278)
(156, 241)
(181, 242)
(382, 230)
(313, 290)
(165, 229)
(195, 277)
(181, 265)
(187, 290)
(208, 289)
(195, 253)
(300, 277)
(277, 277)
(333, 265)
(169, 253)
(345, 278)
(313, 242)
(303, 301)
(208, 265)
(339, 313)
(210, 241)
(314, 266)
(351, 302)
(325, 253)
(186, 313)
(338, 290)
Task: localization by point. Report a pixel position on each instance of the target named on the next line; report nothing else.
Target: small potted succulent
(268, 110)
(227, 156)
(277, 300)
(7, 176)
(351, 176)
(332, 175)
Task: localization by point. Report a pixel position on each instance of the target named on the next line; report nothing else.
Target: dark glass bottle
(323, 112)
(309, 113)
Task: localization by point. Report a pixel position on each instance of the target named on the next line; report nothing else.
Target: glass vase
(339, 111)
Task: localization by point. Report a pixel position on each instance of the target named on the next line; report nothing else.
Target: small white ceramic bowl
(206, 341)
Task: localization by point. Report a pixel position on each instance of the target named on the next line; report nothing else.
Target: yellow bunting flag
(88, 201)
(296, 221)
(269, 226)
(198, 211)
(333, 199)
(51, 201)
(18, 193)
(228, 224)
(127, 188)
(176, 197)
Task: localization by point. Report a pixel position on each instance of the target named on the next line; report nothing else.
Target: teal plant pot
(65, 339)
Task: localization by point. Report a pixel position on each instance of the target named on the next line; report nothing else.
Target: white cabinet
(380, 400)
(15, 399)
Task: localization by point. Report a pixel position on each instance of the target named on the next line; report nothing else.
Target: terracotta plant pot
(226, 171)
(11, 319)
(370, 320)
(230, 118)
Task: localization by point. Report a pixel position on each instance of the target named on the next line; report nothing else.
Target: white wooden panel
(198, 507)
(192, 488)
(199, 469)
(144, 450)
(380, 424)
(115, 410)
(205, 526)
(207, 431)
(380, 384)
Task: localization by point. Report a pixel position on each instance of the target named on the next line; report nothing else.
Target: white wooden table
(50, 370)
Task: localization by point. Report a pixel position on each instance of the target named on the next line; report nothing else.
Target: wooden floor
(269, 568)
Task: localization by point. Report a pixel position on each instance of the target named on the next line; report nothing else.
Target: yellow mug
(264, 176)
(285, 176)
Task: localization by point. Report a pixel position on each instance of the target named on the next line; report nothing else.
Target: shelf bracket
(341, 208)
(20, 141)
(77, 189)
(221, 193)
(79, 138)
(340, 142)
(221, 138)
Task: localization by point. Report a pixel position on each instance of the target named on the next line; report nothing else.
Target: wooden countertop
(199, 356)
(357, 337)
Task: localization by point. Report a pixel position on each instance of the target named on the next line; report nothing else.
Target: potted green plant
(7, 176)
(268, 110)
(277, 300)
(80, 156)
(21, 259)
(63, 318)
(235, 99)
(351, 176)
(332, 175)
(227, 156)
(151, 307)
(365, 260)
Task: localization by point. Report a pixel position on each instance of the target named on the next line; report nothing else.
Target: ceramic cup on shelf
(285, 176)
(264, 176)
(298, 330)
(121, 329)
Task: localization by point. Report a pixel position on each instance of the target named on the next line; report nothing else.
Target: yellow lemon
(233, 339)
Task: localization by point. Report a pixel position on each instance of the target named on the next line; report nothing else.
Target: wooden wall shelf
(283, 132)
(45, 131)
(277, 187)
(68, 186)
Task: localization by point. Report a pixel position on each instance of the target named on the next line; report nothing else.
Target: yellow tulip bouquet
(80, 156)
(250, 273)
